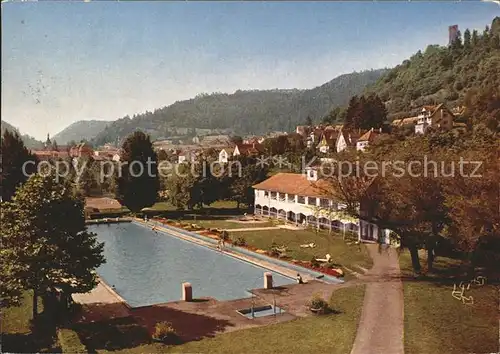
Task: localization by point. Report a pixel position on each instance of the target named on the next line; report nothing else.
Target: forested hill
(245, 112)
(29, 142)
(443, 74)
(81, 130)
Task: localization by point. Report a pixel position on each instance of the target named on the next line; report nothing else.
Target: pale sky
(68, 61)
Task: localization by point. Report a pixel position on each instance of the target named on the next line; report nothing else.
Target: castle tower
(452, 34)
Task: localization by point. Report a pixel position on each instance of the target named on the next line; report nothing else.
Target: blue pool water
(148, 267)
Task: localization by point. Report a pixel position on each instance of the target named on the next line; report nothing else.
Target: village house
(188, 156)
(303, 199)
(227, 153)
(437, 117)
(367, 138)
(327, 141)
(347, 139)
(108, 153)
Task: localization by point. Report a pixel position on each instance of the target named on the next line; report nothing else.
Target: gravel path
(381, 326)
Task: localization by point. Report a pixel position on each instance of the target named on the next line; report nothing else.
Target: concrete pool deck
(204, 317)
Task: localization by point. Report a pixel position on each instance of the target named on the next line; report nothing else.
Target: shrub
(317, 302)
(240, 241)
(165, 332)
(70, 342)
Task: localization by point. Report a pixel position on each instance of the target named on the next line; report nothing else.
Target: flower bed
(215, 234)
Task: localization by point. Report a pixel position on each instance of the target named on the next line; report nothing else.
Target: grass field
(435, 322)
(17, 335)
(333, 244)
(223, 224)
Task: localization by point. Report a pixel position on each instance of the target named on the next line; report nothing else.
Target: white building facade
(299, 199)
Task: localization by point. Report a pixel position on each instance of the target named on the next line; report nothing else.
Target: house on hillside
(112, 154)
(225, 154)
(248, 149)
(437, 117)
(303, 199)
(347, 139)
(367, 138)
(327, 141)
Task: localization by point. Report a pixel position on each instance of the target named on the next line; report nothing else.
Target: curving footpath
(381, 325)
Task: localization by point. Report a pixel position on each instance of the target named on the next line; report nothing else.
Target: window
(301, 199)
(266, 194)
(311, 201)
(325, 203)
(273, 195)
(291, 198)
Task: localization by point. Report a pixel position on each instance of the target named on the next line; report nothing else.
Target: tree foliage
(15, 156)
(138, 182)
(45, 243)
(365, 113)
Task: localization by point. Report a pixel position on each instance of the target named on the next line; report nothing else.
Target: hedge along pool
(148, 267)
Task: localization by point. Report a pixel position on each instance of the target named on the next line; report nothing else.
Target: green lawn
(17, 336)
(333, 244)
(435, 322)
(223, 224)
(332, 334)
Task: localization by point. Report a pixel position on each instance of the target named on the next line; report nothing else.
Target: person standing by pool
(299, 279)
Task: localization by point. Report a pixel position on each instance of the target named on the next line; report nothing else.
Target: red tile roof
(369, 135)
(294, 183)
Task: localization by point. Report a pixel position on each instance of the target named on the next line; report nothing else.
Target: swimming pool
(148, 267)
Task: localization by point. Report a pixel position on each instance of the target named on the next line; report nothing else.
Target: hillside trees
(427, 189)
(244, 112)
(442, 73)
(365, 113)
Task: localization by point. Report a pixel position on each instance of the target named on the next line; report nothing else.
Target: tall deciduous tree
(14, 156)
(244, 178)
(365, 113)
(45, 239)
(138, 181)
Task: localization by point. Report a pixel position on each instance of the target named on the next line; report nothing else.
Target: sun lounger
(325, 260)
(308, 245)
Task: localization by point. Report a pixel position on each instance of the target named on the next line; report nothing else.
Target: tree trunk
(415, 261)
(430, 258)
(35, 304)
